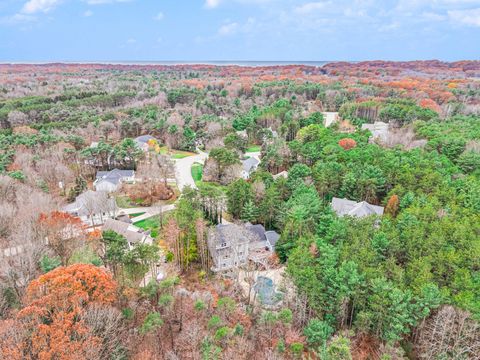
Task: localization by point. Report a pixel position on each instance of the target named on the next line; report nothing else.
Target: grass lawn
(124, 202)
(175, 154)
(254, 148)
(197, 171)
(181, 155)
(152, 224)
(222, 187)
(136, 214)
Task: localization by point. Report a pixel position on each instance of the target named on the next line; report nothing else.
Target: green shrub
(152, 321)
(49, 263)
(214, 322)
(199, 305)
(128, 313)
(238, 330)
(296, 349)
(285, 316)
(165, 300)
(222, 333)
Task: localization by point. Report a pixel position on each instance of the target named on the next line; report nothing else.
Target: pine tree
(249, 212)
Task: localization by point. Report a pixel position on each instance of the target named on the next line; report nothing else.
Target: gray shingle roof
(132, 233)
(249, 164)
(114, 176)
(272, 237)
(351, 208)
(98, 201)
(144, 139)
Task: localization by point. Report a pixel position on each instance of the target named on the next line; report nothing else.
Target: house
(110, 181)
(248, 166)
(92, 207)
(378, 129)
(144, 141)
(329, 118)
(124, 218)
(234, 245)
(283, 174)
(132, 233)
(345, 207)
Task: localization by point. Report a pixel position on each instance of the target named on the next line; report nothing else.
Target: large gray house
(132, 233)
(110, 181)
(345, 207)
(233, 245)
(93, 207)
(248, 166)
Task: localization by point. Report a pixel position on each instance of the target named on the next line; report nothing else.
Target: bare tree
(449, 333)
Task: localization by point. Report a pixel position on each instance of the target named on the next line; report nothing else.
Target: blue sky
(155, 30)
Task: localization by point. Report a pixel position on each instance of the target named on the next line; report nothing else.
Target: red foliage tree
(347, 143)
(430, 104)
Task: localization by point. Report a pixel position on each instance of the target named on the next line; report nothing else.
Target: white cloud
(35, 6)
(99, 2)
(17, 19)
(131, 41)
(469, 17)
(228, 29)
(88, 13)
(311, 7)
(211, 4)
(159, 16)
(232, 27)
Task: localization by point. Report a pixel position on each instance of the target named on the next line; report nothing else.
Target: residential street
(149, 211)
(183, 169)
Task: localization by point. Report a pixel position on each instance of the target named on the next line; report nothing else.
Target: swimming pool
(265, 289)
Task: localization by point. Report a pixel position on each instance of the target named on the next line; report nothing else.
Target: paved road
(149, 211)
(183, 170)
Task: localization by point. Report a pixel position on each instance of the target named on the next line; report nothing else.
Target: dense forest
(403, 285)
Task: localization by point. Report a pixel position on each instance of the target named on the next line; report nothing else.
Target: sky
(238, 30)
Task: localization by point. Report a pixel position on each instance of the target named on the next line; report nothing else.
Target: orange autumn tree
(54, 305)
(63, 232)
(347, 143)
(392, 205)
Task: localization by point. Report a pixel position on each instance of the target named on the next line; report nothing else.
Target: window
(224, 244)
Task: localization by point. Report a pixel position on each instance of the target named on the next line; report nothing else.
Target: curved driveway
(183, 169)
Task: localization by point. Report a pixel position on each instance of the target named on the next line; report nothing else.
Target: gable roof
(114, 176)
(98, 201)
(272, 237)
(132, 233)
(143, 139)
(257, 230)
(249, 164)
(351, 208)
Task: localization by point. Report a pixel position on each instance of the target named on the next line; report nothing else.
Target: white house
(92, 207)
(329, 118)
(378, 129)
(110, 181)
